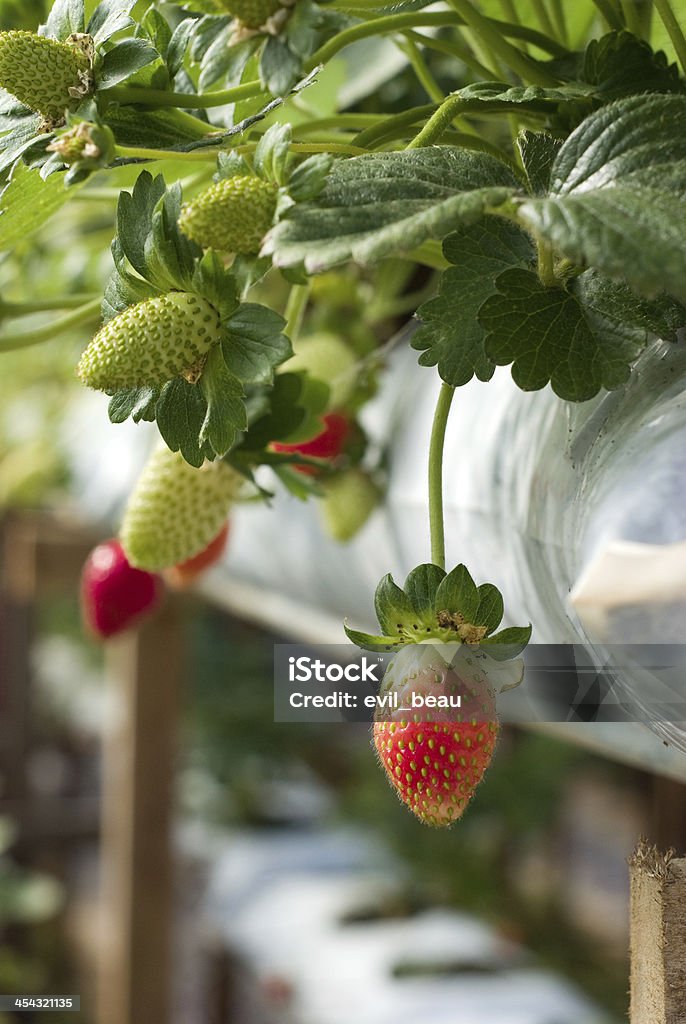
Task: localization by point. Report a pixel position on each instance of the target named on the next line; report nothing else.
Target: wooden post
(658, 937)
(134, 981)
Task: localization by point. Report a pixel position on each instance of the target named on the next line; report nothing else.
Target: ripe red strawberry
(114, 595)
(329, 444)
(186, 573)
(435, 756)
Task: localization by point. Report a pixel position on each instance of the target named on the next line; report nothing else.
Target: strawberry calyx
(448, 608)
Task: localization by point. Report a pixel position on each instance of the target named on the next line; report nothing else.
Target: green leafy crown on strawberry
(447, 608)
(251, 13)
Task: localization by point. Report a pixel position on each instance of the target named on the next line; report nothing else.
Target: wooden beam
(136, 924)
(658, 937)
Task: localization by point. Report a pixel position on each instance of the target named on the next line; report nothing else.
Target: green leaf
(616, 195)
(384, 203)
(369, 642)
(138, 403)
(124, 60)
(226, 414)
(181, 412)
(287, 411)
(458, 594)
(110, 17)
(619, 64)
(272, 153)
(170, 256)
(135, 212)
(66, 17)
(420, 587)
(508, 643)
(309, 177)
(491, 609)
(393, 608)
(451, 336)
(280, 68)
(548, 336)
(23, 134)
(255, 344)
(538, 151)
(27, 203)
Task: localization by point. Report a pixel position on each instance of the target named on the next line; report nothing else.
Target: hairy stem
(610, 14)
(11, 310)
(437, 123)
(436, 525)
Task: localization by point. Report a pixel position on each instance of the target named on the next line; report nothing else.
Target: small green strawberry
(175, 511)
(251, 13)
(327, 358)
(349, 500)
(233, 215)
(151, 343)
(44, 74)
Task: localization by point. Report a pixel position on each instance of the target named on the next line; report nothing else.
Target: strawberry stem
(674, 30)
(23, 339)
(438, 430)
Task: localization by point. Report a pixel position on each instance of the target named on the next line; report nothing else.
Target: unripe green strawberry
(233, 215)
(349, 500)
(251, 13)
(42, 73)
(151, 343)
(327, 358)
(175, 510)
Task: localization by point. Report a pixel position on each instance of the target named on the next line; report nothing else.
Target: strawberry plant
(509, 172)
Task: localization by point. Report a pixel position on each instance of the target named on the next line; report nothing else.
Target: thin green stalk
(141, 153)
(184, 100)
(560, 20)
(421, 70)
(405, 119)
(437, 123)
(631, 16)
(452, 48)
(674, 29)
(519, 62)
(436, 525)
(12, 310)
(295, 309)
(48, 331)
(611, 16)
(510, 11)
(418, 19)
(341, 121)
(543, 16)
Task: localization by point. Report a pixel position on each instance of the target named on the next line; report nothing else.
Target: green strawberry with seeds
(232, 215)
(175, 510)
(151, 342)
(42, 73)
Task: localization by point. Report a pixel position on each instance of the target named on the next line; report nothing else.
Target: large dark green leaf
(383, 203)
(616, 197)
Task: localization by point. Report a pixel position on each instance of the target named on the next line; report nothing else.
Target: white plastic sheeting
(540, 498)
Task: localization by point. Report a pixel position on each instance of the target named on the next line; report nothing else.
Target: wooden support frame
(658, 937)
